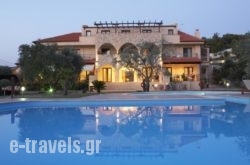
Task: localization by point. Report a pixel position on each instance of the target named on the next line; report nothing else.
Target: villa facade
(181, 53)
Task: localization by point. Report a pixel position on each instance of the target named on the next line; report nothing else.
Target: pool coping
(144, 97)
(133, 99)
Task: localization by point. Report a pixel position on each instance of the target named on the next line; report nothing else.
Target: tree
(5, 70)
(3, 84)
(232, 70)
(49, 66)
(8, 78)
(69, 67)
(37, 64)
(145, 60)
(217, 43)
(242, 50)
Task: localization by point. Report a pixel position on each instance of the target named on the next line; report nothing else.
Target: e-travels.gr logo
(53, 146)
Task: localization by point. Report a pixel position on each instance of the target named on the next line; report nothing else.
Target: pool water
(160, 134)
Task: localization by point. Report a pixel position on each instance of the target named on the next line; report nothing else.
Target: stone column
(117, 68)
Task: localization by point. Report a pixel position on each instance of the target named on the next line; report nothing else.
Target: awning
(88, 67)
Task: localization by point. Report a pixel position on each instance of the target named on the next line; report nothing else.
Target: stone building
(181, 53)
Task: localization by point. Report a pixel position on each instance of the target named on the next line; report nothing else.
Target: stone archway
(105, 54)
(127, 46)
(106, 49)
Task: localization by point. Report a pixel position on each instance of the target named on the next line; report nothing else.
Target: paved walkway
(141, 96)
(144, 96)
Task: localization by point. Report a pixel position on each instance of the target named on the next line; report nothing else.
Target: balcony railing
(185, 77)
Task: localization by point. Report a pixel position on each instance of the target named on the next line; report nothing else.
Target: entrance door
(107, 74)
(188, 70)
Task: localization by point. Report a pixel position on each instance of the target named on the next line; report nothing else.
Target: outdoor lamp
(51, 90)
(22, 89)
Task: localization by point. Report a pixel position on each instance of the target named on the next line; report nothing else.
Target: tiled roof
(71, 37)
(181, 60)
(89, 61)
(184, 37)
(74, 37)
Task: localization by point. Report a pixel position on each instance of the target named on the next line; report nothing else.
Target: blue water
(161, 134)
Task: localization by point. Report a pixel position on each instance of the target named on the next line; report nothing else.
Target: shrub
(98, 85)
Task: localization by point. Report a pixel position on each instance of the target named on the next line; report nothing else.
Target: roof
(184, 37)
(89, 61)
(74, 37)
(181, 60)
(70, 37)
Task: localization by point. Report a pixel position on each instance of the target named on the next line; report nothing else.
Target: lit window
(107, 74)
(129, 76)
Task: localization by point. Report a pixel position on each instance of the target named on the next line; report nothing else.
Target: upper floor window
(125, 31)
(170, 32)
(146, 31)
(105, 31)
(77, 51)
(88, 33)
(187, 52)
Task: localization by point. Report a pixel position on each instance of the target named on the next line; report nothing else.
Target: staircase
(123, 86)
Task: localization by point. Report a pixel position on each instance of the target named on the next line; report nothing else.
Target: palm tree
(98, 85)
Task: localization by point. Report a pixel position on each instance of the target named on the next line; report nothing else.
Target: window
(88, 33)
(170, 32)
(84, 75)
(167, 70)
(129, 76)
(188, 70)
(107, 74)
(187, 52)
(146, 31)
(105, 31)
(125, 31)
(105, 51)
(77, 51)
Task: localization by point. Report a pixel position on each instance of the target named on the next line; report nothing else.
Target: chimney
(197, 33)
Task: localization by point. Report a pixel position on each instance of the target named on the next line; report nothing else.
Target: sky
(24, 21)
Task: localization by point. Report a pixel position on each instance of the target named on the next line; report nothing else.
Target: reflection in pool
(216, 134)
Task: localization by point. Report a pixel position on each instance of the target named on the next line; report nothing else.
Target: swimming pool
(187, 131)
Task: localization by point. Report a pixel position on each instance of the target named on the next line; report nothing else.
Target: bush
(84, 86)
(98, 85)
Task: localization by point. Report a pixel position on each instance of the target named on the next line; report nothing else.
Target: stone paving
(144, 96)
